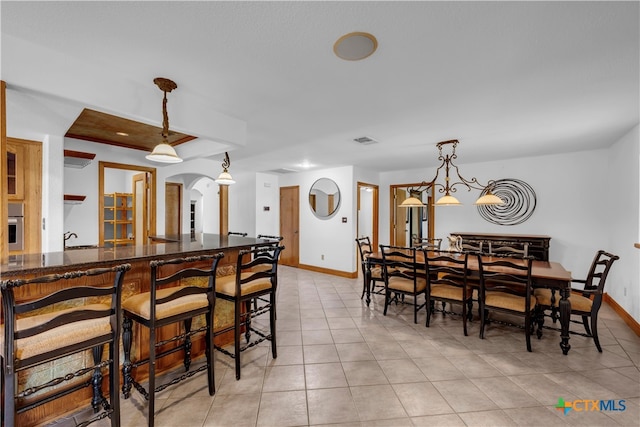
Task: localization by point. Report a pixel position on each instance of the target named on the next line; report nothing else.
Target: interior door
(407, 222)
(172, 209)
(289, 225)
(368, 212)
(140, 187)
(400, 218)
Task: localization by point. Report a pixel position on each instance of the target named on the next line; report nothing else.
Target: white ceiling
(508, 79)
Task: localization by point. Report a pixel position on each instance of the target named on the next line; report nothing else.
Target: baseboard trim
(329, 271)
(630, 321)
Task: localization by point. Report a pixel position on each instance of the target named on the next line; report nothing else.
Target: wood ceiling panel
(104, 128)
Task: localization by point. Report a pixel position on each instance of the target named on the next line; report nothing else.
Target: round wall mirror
(324, 198)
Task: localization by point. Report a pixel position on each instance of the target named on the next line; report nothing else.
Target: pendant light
(163, 152)
(486, 198)
(225, 177)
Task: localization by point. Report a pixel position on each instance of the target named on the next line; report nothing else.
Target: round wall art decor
(519, 202)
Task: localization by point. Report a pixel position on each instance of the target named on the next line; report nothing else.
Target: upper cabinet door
(15, 171)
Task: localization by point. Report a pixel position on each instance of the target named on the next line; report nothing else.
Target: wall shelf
(73, 199)
(118, 220)
(77, 159)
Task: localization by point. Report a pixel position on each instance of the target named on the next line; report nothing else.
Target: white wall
(622, 220)
(52, 194)
(329, 237)
(267, 191)
(567, 187)
(365, 213)
(207, 208)
(242, 203)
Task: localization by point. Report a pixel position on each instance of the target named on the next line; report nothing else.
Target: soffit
(96, 126)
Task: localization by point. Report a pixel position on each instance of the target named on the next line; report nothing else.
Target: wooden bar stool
(256, 276)
(79, 314)
(176, 296)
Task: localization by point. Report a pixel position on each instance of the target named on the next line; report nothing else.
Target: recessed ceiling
(104, 128)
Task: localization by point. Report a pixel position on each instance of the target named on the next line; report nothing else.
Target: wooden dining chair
(269, 237)
(474, 247)
(447, 275)
(80, 314)
(402, 277)
(427, 243)
(370, 274)
(506, 286)
(180, 291)
(585, 302)
(508, 249)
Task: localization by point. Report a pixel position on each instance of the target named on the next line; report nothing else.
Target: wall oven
(16, 226)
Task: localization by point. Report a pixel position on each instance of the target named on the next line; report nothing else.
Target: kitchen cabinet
(117, 223)
(15, 171)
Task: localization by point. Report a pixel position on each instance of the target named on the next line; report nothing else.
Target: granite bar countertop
(181, 245)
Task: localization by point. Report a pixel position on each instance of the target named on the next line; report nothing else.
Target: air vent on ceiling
(282, 170)
(365, 140)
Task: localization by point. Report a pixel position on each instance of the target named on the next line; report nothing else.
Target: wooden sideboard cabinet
(538, 244)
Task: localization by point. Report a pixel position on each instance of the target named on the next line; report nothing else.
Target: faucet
(69, 235)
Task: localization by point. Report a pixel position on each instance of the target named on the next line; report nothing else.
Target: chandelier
(447, 163)
(163, 152)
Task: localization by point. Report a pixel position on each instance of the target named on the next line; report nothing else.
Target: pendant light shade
(163, 152)
(448, 200)
(412, 202)
(489, 199)
(225, 178)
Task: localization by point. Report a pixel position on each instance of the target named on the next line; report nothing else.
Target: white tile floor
(343, 363)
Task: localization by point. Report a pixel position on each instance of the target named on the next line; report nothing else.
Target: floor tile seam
(453, 411)
(444, 398)
(626, 376)
(376, 385)
(534, 402)
(633, 379)
(582, 374)
(511, 378)
(515, 421)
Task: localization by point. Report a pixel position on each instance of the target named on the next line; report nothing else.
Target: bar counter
(161, 247)
(136, 280)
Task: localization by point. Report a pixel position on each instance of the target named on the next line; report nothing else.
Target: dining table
(544, 274)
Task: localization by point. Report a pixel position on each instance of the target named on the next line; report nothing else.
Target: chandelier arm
(469, 183)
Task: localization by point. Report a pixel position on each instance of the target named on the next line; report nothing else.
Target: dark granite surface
(93, 257)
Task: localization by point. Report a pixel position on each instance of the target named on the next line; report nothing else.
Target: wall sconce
(225, 177)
